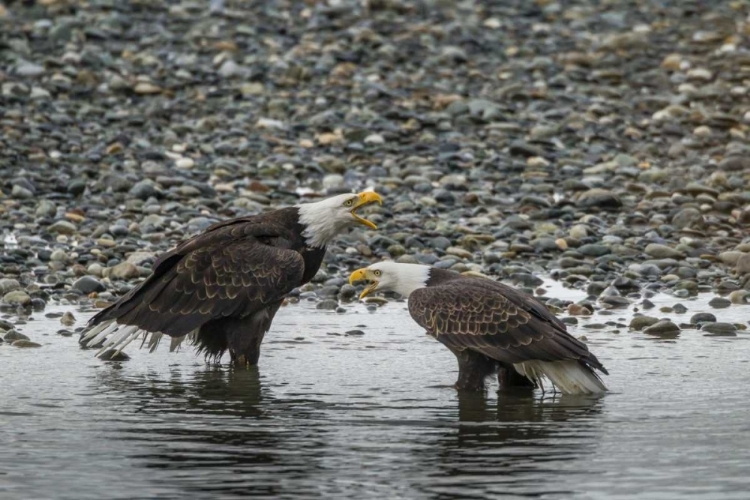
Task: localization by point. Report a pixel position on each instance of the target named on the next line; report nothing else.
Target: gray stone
(14, 335)
(724, 329)
(484, 109)
(124, 271)
(113, 355)
(702, 318)
(594, 250)
(144, 189)
(719, 303)
(29, 70)
(68, 319)
(327, 305)
(598, 198)
(21, 193)
(743, 265)
(87, 285)
(659, 251)
(62, 227)
(9, 285)
(641, 322)
(45, 208)
(17, 298)
(25, 344)
(663, 328)
(139, 258)
(347, 292)
(688, 218)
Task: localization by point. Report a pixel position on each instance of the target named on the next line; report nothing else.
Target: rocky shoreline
(602, 145)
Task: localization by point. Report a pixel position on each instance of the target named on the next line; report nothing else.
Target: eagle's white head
(324, 219)
(392, 277)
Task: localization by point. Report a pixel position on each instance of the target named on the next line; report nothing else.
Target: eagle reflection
(216, 430)
(515, 446)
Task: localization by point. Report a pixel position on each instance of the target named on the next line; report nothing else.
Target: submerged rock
(663, 328)
(720, 329)
(113, 355)
(641, 322)
(14, 335)
(702, 318)
(25, 343)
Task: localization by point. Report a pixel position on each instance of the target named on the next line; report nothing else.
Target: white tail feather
(175, 343)
(112, 335)
(570, 377)
(95, 331)
(153, 341)
(121, 335)
(103, 334)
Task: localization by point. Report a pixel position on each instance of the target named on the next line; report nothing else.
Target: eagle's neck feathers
(411, 277)
(319, 227)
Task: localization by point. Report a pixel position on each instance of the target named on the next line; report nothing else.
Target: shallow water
(373, 416)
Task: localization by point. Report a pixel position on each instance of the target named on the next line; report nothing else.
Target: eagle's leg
(241, 336)
(247, 335)
(509, 378)
(248, 350)
(473, 368)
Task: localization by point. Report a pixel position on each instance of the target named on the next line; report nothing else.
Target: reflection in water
(217, 431)
(513, 445)
(352, 417)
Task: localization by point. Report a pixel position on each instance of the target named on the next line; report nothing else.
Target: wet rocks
(640, 322)
(112, 154)
(702, 318)
(327, 305)
(13, 335)
(62, 227)
(124, 271)
(17, 298)
(113, 355)
(720, 329)
(88, 284)
(25, 344)
(688, 218)
(9, 285)
(663, 328)
(659, 251)
(599, 198)
(719, 303)
(68, 319)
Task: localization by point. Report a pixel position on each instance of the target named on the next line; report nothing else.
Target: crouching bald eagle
(489, 326)
(224, 286)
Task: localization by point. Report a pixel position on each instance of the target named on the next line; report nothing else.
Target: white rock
(700, 74)
(185, 163)
(29, 70)
(270, 124)
(374, 139)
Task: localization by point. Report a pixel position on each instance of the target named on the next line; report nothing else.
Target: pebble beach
(603, 145)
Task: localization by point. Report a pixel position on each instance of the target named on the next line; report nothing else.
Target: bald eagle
(224, 286)
(489, 326)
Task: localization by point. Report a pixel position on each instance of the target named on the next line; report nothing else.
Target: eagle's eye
(377, 273)
(349, 202)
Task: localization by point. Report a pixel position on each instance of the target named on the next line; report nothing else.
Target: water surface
(329, 415)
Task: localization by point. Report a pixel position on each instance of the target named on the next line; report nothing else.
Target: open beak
(366, 198)
(360, 275)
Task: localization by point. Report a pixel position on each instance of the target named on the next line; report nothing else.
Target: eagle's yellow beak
(365, 198)
(360, 275)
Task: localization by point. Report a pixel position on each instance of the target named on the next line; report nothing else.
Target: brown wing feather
(496, 320)
(230, 270)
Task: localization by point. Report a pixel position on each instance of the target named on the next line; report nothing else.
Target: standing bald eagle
(488, 325)
(225, 285)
